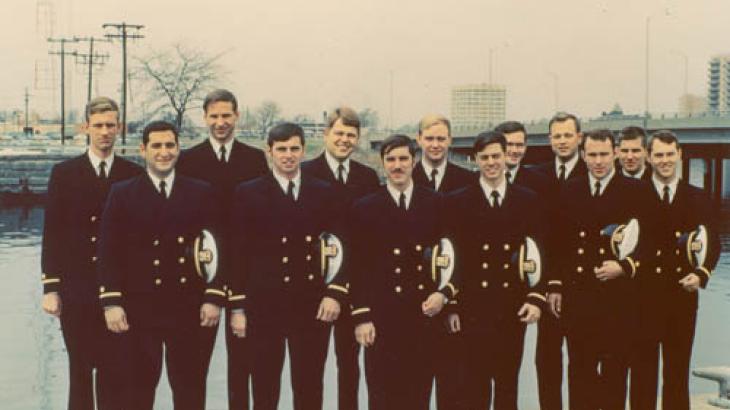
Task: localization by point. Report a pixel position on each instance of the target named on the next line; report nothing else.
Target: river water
(33, 361)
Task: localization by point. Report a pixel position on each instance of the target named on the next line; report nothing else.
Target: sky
(310, 56)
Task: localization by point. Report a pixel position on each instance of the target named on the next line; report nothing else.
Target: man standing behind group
(631, 153)
(224, 162)
(516, 137)
(435, 171)
(76, 193)
(349, 180)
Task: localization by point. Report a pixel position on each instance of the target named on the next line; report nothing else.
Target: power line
(63, 54)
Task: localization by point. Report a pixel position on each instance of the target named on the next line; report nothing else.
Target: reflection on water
(34, 367)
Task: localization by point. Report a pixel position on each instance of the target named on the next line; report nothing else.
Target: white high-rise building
(718, 95)
(477, 106)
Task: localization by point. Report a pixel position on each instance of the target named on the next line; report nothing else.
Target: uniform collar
(659, 186)
(441, 171)
(637, 175)
(604, 181)
(217, 147)
(334, 164)
(284, 182)
(569, 166)
(95, 161)
(395, 193)
(501, 189)
(169, 181)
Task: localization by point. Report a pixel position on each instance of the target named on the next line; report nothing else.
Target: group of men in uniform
(120, 236)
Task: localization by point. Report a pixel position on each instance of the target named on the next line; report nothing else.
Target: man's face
(341, 140)
(398, 165)
(599, 157)
(221, 120)
(102, 129)
(434, 142)
(286, 156)
(516, 148)
(664, 159)
(564, 139)
(492, 162)
(161, 152)
(631, 155)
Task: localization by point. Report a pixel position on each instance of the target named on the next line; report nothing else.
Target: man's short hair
(665, 136)
(489, 138)
(283, 132)
(601, 134)
(157, 126)
(348, 116)
(220, 95)
(562, 117)
(633, 133)
(508, 127)
(396, 141)
(432, 119)
(99, 105)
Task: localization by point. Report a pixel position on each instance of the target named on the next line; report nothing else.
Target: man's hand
(52, 304)
(209, 314)
(238, 324)
(609, 270)
(116, 319)
(329, 310)
(433, 304)
(690, 283)
(529, 313)
(365, 334)
(555, 301)
(454, 323)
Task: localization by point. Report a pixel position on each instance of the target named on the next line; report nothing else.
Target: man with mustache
(77, 190)
(394, 299)
(515, 173)
(149, 286)
(349, 180)
(224, 162)
(631, 153)
(565, 139)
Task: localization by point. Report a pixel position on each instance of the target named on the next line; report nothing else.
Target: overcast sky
(311, 55)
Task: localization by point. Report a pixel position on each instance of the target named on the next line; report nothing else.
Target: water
(33, 361)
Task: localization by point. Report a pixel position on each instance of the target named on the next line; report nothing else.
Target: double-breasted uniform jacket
(486, 239)
(146, 265)
(534, 180)
(277, 262)
(455, 177)
(73, 218)
(390, 276)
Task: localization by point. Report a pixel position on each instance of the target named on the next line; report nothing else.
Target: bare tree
(267, 114)
(179, 78)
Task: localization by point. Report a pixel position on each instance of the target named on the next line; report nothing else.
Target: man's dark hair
(665, 136)
(396, 141)
(488, 138)
(509, 127)
(220, 95)
(562, 117)
(633, 133)
(601, 134)
(157, 126)
(283, 132)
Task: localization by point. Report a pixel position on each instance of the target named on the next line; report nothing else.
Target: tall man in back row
(224, 162)
(349, 181)
(76, 193)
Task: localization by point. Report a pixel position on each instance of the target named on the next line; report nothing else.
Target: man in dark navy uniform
(631, 153)
(394, 297)
(488, 221)
(597, 286)
(149, 287)
(278, 294)
(516, 173)
(668, 284)
(565, 138)
(76, 193)
(349, 180)
(224, 162)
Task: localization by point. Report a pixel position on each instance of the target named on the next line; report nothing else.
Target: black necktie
(402, 201)
(665, 198)
(508, 174)
(597, 192)
(561, 176)
(341, 174)
(495, 199)
(222, 159)
(434, 172)
(290, 191)
(163, 190)
(102, 170)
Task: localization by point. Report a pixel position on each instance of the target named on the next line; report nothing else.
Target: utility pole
(124, 31)
(62, 53)
(90, 59)
(26, 129)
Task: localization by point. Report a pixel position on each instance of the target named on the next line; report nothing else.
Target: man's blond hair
(432, 119)
(99, 105)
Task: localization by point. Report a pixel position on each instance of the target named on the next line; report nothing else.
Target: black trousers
(673, 329)
(549, 361)
(347, 351)
(493, 358)
(239, 369)
(450, 360)
(399, 366)
(308, 341)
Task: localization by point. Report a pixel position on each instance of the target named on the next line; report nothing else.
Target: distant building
(477, 106)
(718, 95)
(691, 104)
